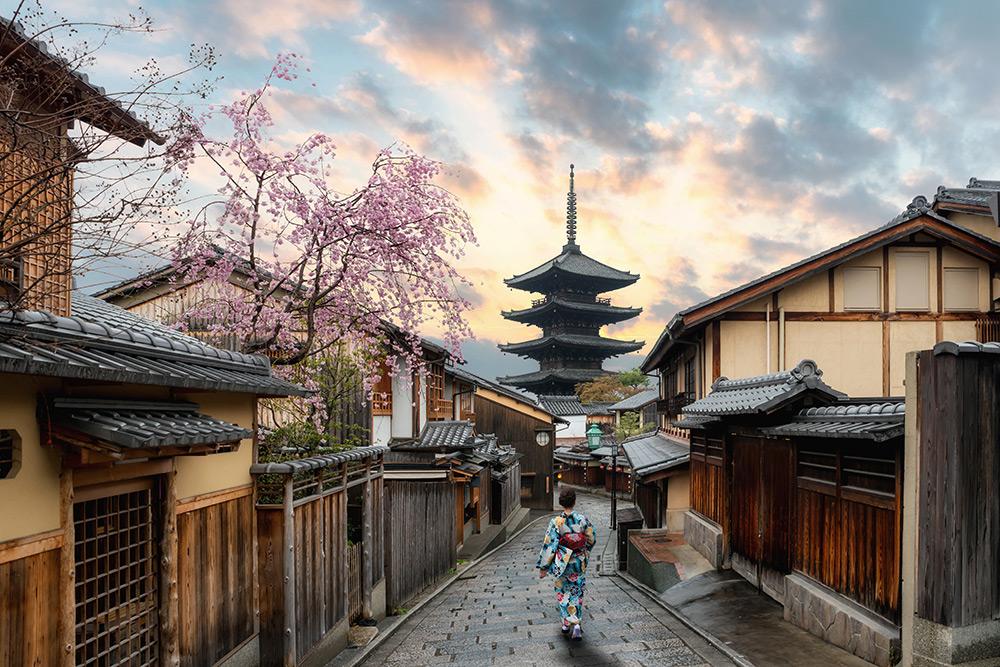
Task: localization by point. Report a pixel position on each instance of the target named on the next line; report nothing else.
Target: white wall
(402, 406)
(577, 427)
(381, 429)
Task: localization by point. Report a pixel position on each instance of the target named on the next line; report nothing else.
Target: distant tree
(628, 425)
(612, 387)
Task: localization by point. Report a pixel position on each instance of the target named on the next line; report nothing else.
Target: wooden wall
(215, 576)
(518, 430)
(958, 511)
(417, 551)
(708, 479)
(29, 602)
(509, 497)
(651, 503)
(845, 537)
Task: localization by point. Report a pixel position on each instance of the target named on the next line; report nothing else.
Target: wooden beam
(214, 498)
(288, 573)
(367, 521)
(169, 603)
(858, 316)
(120, 472)
(831, 296)
(885, 279)
(885, 358)
(67, 569)
(24, 547)
(940, 280)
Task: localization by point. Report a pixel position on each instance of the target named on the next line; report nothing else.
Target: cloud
(254, 23)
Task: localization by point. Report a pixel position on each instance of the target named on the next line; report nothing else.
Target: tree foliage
(613, 387)
(628, 425)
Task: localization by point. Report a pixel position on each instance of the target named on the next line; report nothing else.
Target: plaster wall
(402, 406)
(744, 348)
(906, 337)
(31, 498)
(981, 224)
(381, 429)
(758, 306)
(202, 474)
(678, 501)
(577, 427)
(812, 294)
(849, 353)
(960, 331)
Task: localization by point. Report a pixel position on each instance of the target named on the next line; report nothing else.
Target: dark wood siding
(845, 537)
(215, 579)
(958, 512)
(518, 430)
(762, 507)
(29, 601)
(651, 503)
(708, 483)
(417, 551)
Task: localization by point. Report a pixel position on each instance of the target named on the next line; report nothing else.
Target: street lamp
(594, 434)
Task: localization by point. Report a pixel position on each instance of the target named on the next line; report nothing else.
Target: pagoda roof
(601, 312)
(607, 345)
(553, 376)
(575, 268)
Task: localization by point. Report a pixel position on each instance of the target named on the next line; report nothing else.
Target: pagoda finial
(571, 211)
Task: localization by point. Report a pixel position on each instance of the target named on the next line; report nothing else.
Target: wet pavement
(727, 606)
(500, 613)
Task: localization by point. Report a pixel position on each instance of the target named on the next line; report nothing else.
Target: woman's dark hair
(567, 498)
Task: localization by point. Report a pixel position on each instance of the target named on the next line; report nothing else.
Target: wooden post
(169, 635)
(288, 570)
(67, 568)
(366, 545)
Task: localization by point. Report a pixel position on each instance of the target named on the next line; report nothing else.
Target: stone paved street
(500, 613)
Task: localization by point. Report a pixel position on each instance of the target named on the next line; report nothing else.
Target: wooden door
(117, 605)
(762, 510)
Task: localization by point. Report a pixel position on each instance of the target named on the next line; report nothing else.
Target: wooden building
(659, 470)
(798, 488)
(856, 308)
(570, 314)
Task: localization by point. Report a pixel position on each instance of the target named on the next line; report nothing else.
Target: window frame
(14, 458)
(926, 255)
(944, 288)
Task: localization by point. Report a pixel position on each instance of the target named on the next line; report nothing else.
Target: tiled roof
(877, 421)
(915, 209)
(652, 452)
(764, 394)
(102, 342)
(321, 461)
(573, 340)
(567, 374)
(562, 406)
(600, 409)
(446, 435)
(695, 421)
(139, 130)
(599, 311)
(967, 347)
(575, 263)
(644, 397)
(570, 454)
(981, 194)
(143, 424)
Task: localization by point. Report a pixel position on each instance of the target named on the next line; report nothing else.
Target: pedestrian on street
(565, 552)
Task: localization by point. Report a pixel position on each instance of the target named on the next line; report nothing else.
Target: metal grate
(8, 454)
(116, 580)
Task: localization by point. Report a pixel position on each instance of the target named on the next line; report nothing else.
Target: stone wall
(840, 621)
(705, 537)
(973, 645)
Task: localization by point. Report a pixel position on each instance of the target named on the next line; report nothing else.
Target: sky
(713, 141)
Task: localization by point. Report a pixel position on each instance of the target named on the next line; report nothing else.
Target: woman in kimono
(565, 551)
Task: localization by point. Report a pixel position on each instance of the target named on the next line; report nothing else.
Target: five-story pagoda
(571, 349)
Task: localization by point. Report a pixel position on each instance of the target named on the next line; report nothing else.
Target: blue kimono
(568, 567)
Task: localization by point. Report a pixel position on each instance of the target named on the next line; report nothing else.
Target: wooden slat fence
(420, 536)
(354, 609)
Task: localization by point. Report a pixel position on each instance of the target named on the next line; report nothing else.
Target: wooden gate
(116, 575)
(762, 511)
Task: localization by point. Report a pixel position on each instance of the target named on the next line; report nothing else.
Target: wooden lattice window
(10, 453)
(116, 578)
(438, 406)
(862, 475)
(382, 392)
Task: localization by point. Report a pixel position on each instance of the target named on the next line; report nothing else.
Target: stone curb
(716, 643)
(400, 620)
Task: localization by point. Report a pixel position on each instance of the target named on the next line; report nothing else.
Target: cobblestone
(505, 615)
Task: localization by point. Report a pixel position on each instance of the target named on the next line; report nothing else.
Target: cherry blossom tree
(325, 269)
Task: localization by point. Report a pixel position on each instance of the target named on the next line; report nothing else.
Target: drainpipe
(767, 332)
(781, 338)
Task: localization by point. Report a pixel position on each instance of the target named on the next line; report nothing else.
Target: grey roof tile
(575, 263)
(878, 421)
(966, 347)
(562, 406)
(446, 435)
(143, 424)
(101, 342)
(636, 401)
(320, 461)
(764, 394)
(573, 340)
(568, 374)
(653, 452)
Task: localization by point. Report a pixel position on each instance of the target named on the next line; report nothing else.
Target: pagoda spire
(571, 213)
